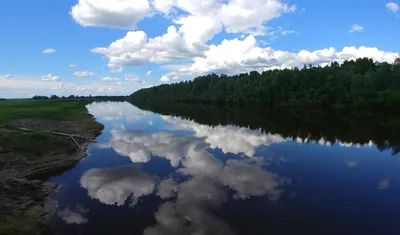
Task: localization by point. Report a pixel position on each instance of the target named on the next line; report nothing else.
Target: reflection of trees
(350, 126)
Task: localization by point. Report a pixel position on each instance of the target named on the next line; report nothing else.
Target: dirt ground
(21, 192)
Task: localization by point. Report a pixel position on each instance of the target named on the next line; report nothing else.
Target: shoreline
(28, 160)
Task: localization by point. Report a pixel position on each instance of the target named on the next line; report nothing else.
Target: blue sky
(115, 43)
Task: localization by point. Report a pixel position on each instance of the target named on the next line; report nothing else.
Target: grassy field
(49, 109)
(38, 113)
(23, 152)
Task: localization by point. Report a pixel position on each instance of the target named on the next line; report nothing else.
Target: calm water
(217, 170)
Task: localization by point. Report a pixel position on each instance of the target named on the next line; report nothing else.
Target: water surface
(219, 170)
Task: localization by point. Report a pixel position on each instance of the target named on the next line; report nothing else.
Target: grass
(50, 109)
(13, 140)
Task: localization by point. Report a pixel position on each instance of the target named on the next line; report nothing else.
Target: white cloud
(199, 28)
(198, 24)
(110, 13)
(133, 78)
(237, 56)
(71, 66)
(356, 28)
(393, 7)
(136, 48)
(148, 73)
(164, 79)
(109, 79)
(50, 77)
(83, 74)
(251, 16)
(113, 186)
(49, 51)
(8, 76)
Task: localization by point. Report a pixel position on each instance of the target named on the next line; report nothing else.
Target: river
(185, 169)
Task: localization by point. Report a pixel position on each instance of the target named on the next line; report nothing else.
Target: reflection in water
(327, 127)
(114, 185)
(76, 216)
(230, 173)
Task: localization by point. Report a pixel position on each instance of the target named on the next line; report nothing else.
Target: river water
(220, 170)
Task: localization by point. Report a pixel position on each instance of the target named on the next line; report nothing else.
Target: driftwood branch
(57, 133)
(62, 134)
(77, 143)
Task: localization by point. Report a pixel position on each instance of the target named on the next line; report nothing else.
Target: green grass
(36, 144)
(51, 109)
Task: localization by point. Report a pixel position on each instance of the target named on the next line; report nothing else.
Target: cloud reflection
(76, 216)
(113, 186)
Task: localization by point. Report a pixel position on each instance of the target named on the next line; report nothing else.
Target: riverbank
(27, 156)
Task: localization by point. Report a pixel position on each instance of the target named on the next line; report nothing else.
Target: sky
(115, 47)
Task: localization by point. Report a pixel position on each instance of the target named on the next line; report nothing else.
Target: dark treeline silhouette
(73, 97)
(345, 125)
(362, 82)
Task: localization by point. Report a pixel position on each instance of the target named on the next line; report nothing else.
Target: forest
(362, 82)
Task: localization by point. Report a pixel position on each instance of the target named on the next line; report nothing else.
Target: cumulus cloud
(392, 6)
(49, 51)
(50, 77)
(237, 56)
(356, 28)
(204, 19)
(83, 74)
(111, 13)
(8, 76)
(76, 216)
(148, 73)
(113, 186)
(136, 49)
(71, 66)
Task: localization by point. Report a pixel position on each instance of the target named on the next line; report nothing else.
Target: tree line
(361, 82)
(73, 97)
